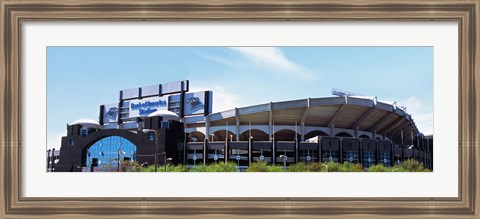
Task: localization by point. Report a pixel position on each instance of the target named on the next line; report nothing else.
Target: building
(342, 128)
(53, 156)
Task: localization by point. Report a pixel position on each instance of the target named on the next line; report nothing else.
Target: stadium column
(302, 128)
(185, 142)
(249, 151)
(225, 152)
(304, 118)
(296, 150)
(205, 142)
(207, 126)
(237, 123)
(319, 149)
(401, 143)
(274, 154)
(271, 132)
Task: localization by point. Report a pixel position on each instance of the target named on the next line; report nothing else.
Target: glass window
(351, 156)
(165, 124)
(103, 155)
(330, 155)
(369, 159)
(385, 159)
(83, 132)
(151, 136)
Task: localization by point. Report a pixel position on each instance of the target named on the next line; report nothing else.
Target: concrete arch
(309, 129)
(314, 133)
(286, 135)
(257, 134)
(231, 128)
(220, 135)
(197, 136)
(277, 128)
(92, 138)
(343, 134)
(348, 132)
(263, 128)
(364, 136)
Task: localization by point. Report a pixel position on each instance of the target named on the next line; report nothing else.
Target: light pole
(284, 161)
(156, 146)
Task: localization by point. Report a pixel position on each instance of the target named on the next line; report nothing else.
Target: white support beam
(337, 114)
(386, 117)
(237, 122)
(207, 126)
(399, 128)
(388, 128)
(364, 116)
(270, 120)
(304, 117)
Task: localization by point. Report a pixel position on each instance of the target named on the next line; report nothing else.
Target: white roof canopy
(165, 114)
(87, 123)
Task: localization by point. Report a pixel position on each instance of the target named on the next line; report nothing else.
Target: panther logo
(194, 102)
(112, 114)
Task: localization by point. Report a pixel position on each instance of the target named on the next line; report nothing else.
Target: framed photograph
(239, 109)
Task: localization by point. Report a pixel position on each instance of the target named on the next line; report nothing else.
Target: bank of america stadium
(167, 123)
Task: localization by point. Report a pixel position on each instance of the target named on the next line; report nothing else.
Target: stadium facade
(166, 122)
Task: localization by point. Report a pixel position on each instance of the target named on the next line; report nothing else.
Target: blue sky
(80, 79)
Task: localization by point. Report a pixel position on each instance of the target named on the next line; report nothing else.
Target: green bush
(350, 167)
(380, 168)
(199, 168)
(406, 166)
(411, 165)
(259, 166)
(310, 167)
(316, 167)
(332, 166)
(131, 166)
(222, 167)
(276, 168)
(175, 168)
(298, 167)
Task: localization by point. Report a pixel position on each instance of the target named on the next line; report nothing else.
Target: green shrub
(411, 165)
(310, 167)
(350, 167)
(316, 167)
(259, 166)
(298, 167)
(149, 168)
(276, 168)
(332, 166)
(222, 167)
(199, 168)
(379, 168)
(339, 167)
(175, 168)
(131, 166)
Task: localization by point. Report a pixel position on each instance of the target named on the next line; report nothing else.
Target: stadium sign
(110, 113)
(143, 107)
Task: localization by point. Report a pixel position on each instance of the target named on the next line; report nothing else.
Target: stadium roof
(346, 112)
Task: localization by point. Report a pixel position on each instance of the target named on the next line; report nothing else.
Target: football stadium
(165, 123)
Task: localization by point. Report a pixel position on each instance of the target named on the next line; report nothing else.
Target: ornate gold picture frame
(14, 13)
